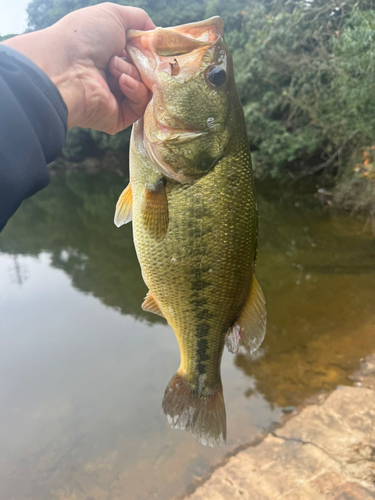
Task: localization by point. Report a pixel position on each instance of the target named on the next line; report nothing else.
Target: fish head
(188, 122)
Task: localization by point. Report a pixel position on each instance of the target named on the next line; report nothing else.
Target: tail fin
(202, 416)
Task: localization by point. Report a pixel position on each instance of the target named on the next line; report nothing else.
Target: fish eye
(216, 75)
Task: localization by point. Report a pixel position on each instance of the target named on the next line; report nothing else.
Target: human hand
(81, 54)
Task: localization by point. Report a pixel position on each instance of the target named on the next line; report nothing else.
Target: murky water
(83, 369)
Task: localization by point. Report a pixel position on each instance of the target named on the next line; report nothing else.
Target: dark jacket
(33, 126)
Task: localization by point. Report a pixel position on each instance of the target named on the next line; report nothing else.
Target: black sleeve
(33, 126)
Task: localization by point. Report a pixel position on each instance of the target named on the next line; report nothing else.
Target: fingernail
(129, 82)
(117, 59)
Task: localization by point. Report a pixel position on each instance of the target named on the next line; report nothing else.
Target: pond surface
(83, 369)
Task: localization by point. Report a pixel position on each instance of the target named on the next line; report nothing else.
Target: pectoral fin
(250, 326)
(124, 207)
(150, 305)
(155, 210)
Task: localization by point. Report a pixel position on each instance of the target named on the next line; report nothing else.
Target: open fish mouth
(157, 50)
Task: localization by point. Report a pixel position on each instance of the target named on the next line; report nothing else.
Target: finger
(117, 66)
(130, 113)
(134, 90)
(137, 99)
(114, 87)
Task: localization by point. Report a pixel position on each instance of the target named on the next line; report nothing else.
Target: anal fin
(155, 210)
(124, 207)
(251, 324)
(150, 305)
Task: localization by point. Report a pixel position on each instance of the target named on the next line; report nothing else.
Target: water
(83, 369)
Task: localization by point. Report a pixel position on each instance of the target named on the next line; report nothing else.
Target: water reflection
(83, 368)
(73, 221)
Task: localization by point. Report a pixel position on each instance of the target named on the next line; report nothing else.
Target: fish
(191, 199)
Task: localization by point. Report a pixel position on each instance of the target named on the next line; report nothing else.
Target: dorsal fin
(150, 305)
(251, 324)
(124, 207)
(155, 210)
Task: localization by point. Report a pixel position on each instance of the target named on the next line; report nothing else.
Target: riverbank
(325, 452)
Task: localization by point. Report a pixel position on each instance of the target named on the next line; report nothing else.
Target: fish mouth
(155, 50)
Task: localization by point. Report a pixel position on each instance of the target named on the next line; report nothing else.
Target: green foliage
(305, 73)
(354, 59)
(294, 80)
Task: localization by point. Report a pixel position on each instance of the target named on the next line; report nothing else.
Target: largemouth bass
(192, 202)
